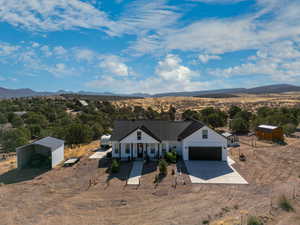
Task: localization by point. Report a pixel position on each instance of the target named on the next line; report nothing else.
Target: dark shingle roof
(158, 129)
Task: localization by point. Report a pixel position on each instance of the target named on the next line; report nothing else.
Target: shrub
(115, 166)
(171, 157)
(108, 155)
(163, 166)
(253, 220)
(205, 222)
(285, 204)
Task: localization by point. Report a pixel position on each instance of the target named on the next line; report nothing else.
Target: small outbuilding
(232, 140)
(270, 133)
(82, 102)
(47, 152)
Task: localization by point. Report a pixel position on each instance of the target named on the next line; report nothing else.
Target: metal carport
(48, 146)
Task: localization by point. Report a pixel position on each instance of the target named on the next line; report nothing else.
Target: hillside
(269, 89)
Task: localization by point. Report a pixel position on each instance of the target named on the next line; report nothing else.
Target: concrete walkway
(213, 172)
(100, 154)
(135, 173)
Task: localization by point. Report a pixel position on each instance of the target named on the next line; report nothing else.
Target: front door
(140, 150)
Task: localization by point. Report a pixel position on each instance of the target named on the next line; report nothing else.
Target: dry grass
(246, 101)
(8, 165)
(81, 150)
(227, 221)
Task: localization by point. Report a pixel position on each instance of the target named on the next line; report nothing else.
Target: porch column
(167, 146)
(158, 150)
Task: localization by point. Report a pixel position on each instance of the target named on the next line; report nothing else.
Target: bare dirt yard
(87, 194)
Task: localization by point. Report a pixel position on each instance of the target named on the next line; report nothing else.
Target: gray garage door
(205, 153)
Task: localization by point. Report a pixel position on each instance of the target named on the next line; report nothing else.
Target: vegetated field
(65, 196)
(98, 97)
(246, 101)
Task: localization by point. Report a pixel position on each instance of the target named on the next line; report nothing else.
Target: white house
(191, 139)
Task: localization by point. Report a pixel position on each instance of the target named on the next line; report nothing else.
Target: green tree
(233, 110)
(190, 114)
(172, 112)
(17, 121)
(78, 134)
(163, 167)
(239, 125)
(289, 128)
(14, 138)
(36, 118)
(97, 131)
(3, 118)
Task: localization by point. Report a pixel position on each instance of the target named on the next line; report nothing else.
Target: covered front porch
(134, 151)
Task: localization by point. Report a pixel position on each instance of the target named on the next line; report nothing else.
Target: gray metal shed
(49, 147)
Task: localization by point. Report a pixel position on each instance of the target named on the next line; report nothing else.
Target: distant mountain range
(277, 88)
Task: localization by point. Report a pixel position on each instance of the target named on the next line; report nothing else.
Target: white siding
(57, 156)
(213, 140)
(114, 154)
(132, 138)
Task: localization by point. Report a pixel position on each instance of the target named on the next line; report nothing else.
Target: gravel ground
(86, 194)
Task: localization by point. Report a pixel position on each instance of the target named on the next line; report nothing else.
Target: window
(205, 134)
(127, 148)
(152, 148)
(116, 148)
(139, 135)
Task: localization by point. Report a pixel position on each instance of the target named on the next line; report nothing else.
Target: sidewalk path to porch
(135, 173)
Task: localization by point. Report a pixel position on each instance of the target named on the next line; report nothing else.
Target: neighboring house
(232, 140)
(270, 133)
(49, 147)
(83, 103)
(21, 113)
(191, 139)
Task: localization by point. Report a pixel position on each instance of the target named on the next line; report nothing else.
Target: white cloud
(7, 49)
(35, 45)
(59, 50)
(45, 49)
(150, 85)
(142, 16)
(84, 54)
(45, 15)
(170, 76)
(171, 69)
(218, 1)
(205, 58)
(272, 21)
(114, 65)
(279, 60)
(61, 70)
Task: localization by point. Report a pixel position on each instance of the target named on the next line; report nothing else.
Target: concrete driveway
(213, 172)
(100, 154)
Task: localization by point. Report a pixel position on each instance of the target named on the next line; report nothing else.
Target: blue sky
(148, 46)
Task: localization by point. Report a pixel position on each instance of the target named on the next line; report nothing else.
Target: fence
(5, 156)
